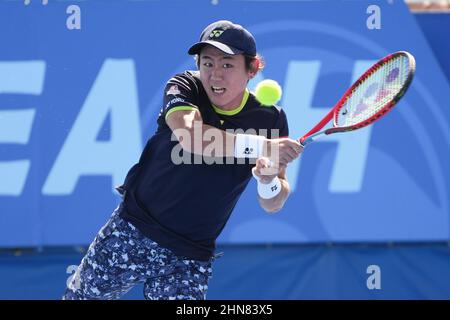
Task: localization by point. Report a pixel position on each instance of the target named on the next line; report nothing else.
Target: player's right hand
(282, 151)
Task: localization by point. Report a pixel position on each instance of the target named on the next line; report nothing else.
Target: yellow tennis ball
(268, 92)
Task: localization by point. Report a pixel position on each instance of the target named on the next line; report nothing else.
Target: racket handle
(304, 141)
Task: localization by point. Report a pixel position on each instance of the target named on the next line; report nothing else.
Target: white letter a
(114, 94)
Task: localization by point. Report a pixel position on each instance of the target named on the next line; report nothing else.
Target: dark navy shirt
(183, 206)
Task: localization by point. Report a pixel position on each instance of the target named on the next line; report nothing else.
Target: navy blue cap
(228, 37)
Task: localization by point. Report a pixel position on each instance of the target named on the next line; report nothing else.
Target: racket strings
(375, 92)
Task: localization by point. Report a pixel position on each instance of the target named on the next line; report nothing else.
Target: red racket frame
(333, 114)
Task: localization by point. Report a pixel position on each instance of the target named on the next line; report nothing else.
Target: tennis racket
(372, 96)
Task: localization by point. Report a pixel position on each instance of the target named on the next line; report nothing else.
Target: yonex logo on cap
(237, 41)
(216, 33)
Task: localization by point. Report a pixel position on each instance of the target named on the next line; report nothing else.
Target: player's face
(224, 77)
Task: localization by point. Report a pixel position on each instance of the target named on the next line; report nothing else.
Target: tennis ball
(268, 92)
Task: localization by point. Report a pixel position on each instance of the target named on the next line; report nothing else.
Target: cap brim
(196, 48)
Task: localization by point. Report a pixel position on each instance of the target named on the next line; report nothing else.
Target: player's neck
(235, 107)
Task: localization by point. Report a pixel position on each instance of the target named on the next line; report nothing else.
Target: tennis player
(179, 196)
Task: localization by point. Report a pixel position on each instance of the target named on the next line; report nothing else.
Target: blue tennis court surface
(406, 271)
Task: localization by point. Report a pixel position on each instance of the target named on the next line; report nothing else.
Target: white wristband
(268, 190)
(248, 146)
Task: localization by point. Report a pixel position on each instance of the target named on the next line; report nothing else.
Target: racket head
(375, 93)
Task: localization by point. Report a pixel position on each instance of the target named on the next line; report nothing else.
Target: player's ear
(254, 68)
(256, 64)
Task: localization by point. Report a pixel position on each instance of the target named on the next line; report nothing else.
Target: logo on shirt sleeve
(175, 100)
(173, 90)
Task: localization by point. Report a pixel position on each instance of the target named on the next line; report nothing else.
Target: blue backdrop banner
(81, 87)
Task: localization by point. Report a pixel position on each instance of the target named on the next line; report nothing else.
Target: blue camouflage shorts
(121, 257)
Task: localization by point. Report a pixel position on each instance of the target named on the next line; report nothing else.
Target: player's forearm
(206, 140)
(215, 142)
(201, 139)
(198, 138)
(276, 203)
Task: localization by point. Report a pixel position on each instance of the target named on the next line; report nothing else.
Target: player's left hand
(265, 171)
